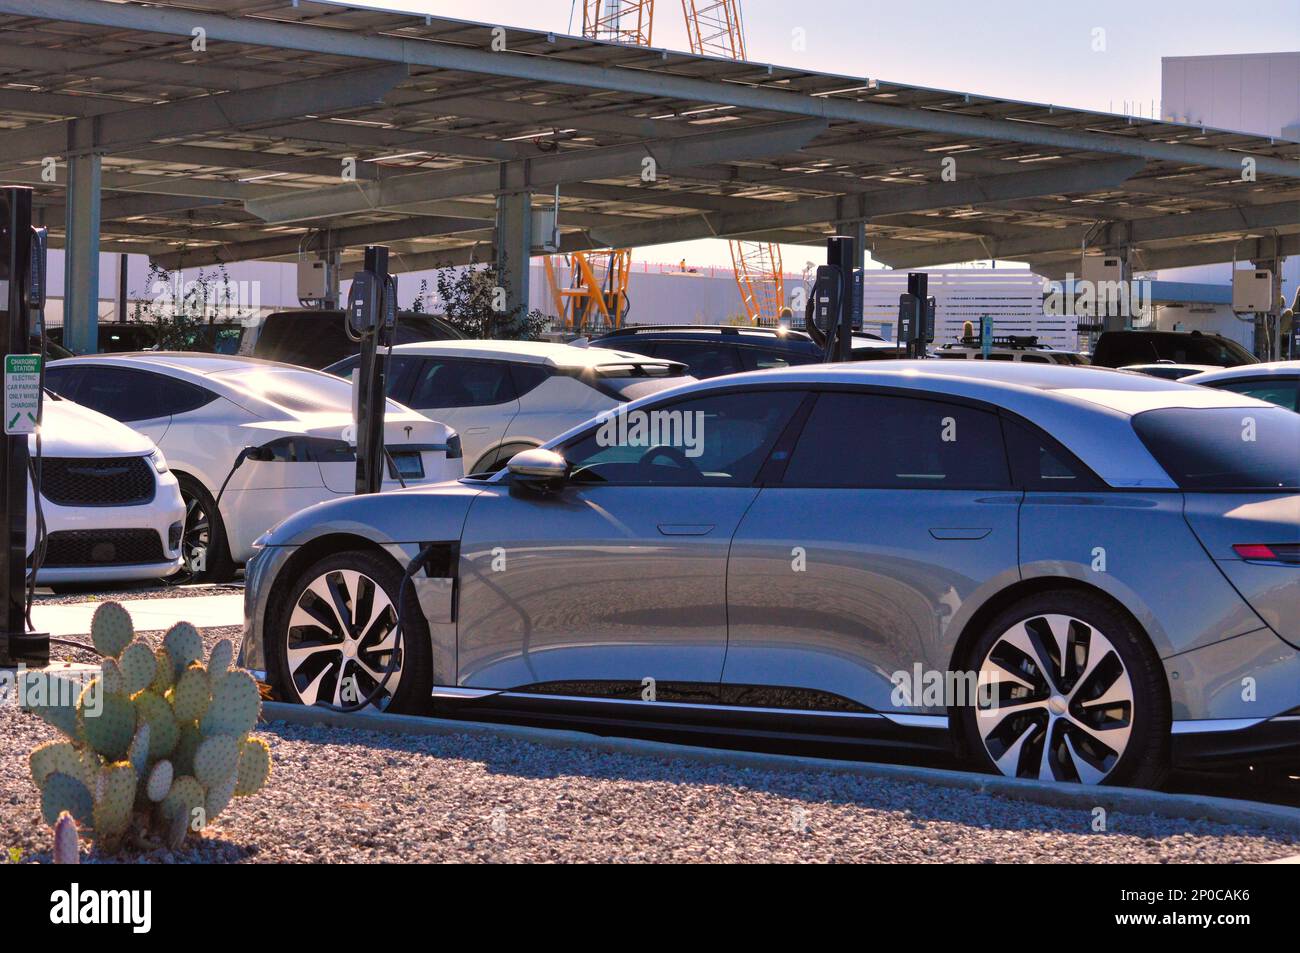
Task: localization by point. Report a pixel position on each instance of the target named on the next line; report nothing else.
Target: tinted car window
(716, 440)
(402, 370)
(527, 377)
(1225, 448)
(120, 393)
(1122, 348)
(1284, 393)
(63, 380)
(1040, 463)
(704, 358)
(761, 358)
(871, 440)
(452, 383)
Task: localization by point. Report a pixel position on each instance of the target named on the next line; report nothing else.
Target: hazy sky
(1020, 49)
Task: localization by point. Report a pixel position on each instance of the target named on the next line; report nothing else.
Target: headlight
(158, 460)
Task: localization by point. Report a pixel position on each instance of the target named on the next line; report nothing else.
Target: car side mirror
(538, 468)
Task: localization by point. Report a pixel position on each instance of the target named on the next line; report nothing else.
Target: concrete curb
(1071, 796)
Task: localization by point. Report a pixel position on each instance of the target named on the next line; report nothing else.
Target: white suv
(507, 396)
(1026, 350)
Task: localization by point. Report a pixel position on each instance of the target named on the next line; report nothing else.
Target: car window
(444, 382)
(120, 393)
(179, 397)
(704, 358)
(952, 355)
(715, 440)
(874, 440)
(63, 380)
(1284, 393)
(527, 377)
(1034, 359)
(1040, 463)
(761, 358)
(1224, 448)
(402, 369)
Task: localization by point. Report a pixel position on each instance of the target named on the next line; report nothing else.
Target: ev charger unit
(1252, 290)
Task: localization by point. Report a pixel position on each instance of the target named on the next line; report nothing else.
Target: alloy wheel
(1056, 701)
(341, 636)
(196, 540)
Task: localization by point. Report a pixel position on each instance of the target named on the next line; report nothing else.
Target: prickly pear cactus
(157, 745)
(66, 846)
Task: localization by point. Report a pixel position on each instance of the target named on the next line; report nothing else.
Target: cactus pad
(66, 849)
(190, 697)
(138, 753)
(160, 781)
(183, 757)
(110, 727)
(220, 795)
(114, 800)
(111, 629)
(62, 792)
(138, 667)
(216, 759)
(164, 676)
(164, 732)
(55, 756)
(219, 661)
(184, 645)
(254, 766)
(185, 795)
(112, 677)
(235, 706)
(54, 700)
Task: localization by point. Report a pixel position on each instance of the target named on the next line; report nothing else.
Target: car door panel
(583, 585)
(893, 518)
(837, 589)
(553, 407)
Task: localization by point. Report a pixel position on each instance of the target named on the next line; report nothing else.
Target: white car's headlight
(158, 460)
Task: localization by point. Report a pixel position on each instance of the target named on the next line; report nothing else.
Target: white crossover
(507, 396)
(112, 509)
(202, 410)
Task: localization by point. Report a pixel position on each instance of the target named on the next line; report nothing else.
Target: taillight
(1270, 552)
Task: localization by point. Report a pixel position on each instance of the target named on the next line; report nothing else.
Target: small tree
(182, 310)
(474, 302)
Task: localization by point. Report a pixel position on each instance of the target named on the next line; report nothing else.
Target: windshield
(1198, 349)
(1225, 448)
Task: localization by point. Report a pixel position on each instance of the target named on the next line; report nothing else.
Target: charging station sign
(22, 392)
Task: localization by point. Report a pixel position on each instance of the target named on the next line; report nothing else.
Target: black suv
(318, 338)
(711, 351)
(1123, 348)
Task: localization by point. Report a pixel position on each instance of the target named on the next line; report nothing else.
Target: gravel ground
(353, 796)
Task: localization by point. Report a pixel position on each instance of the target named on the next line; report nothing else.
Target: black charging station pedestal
(19, 282)
(828, 317)
(372, 315)
(916, 315)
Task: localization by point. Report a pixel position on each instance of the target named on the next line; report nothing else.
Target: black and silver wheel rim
(1056, 701)
(340, 639)
(196, 538)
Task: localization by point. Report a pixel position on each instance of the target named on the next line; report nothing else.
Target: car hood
(70, 430)
(422, 514)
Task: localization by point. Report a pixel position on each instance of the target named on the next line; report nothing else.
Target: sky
(1045, 51)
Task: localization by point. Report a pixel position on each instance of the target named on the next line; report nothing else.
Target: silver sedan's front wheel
(1060, 703)
(337, 636)
(1069, 690)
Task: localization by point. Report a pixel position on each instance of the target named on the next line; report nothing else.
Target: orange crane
(594, 296)
(715, 28)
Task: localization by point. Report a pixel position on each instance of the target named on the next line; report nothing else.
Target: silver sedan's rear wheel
(1059, 705)
(1070, 690)
(338, 633)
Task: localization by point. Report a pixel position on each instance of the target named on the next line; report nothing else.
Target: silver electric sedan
(1058, 575)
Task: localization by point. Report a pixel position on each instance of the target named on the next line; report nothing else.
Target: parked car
(1012, 348)
(112, 507)
(711, 351)
(119, 338)
(507, 396)
(1126, 348)
(317, 339)
(1168, 370)
(1098, 566)
(203, 409)
(1277, 382)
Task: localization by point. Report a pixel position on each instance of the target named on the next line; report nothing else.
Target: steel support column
(81, 255)
(1268, 326)
(512, 245)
